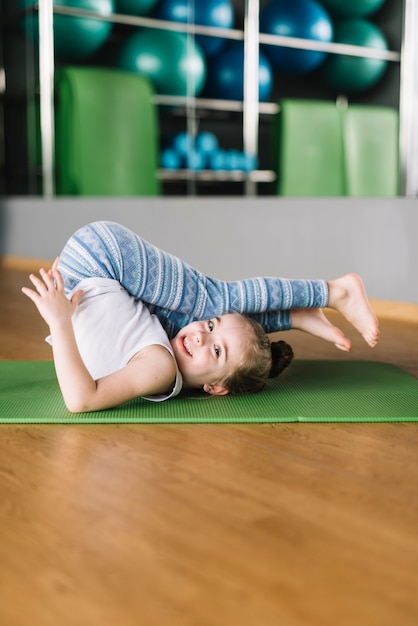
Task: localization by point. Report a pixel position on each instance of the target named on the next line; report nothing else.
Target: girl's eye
(216, 348)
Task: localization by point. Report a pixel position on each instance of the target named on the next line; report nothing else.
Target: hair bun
(282, 355)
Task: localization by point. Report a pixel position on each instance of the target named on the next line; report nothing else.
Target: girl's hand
(49, 297)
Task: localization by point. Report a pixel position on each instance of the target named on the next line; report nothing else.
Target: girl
(129, 320)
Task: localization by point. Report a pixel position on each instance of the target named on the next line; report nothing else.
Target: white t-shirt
(111, 326)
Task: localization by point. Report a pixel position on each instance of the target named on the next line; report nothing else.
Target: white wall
(231, 238)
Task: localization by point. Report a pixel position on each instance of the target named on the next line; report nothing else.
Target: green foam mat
(308, 391)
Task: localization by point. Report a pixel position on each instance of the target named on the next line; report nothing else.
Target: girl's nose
(200, 337)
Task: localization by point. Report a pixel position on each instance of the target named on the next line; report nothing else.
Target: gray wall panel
(232, 238)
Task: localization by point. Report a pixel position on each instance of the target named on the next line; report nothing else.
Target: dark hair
(264, 359)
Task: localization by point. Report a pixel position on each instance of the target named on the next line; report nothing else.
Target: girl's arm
(150, 372)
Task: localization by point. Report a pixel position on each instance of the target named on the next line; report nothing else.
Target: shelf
(256, 176)
(251, 109)
(267, 108)
(230, 33)
(148, 22)
(332, 48)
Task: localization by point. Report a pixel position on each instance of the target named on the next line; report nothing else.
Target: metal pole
(251, 109)
(408, 105)
(46, 86)
(191, 122)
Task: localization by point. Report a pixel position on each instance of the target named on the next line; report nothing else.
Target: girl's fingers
(43, 284)
(47, 278)
(38, 283)
(77, 297)
(59, 281)
(50, 281)
(30, 293)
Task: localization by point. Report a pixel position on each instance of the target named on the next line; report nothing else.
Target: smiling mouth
(187, 347)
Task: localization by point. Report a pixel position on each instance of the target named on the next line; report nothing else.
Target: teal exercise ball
(74, 37)
(214, 13)
(349, 73)
(353, 8)
(304, 19)
(225, 78)
(135, 7)
(174, 64)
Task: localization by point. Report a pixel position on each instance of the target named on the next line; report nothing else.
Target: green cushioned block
(371, 151)
(308, 391)
(309, 149)
(106, 133)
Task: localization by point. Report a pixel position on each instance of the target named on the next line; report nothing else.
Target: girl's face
(206, 352)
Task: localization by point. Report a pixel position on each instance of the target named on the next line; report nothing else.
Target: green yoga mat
(308, 391)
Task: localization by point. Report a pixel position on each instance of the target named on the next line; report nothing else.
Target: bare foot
(313, 321)
(348, 296)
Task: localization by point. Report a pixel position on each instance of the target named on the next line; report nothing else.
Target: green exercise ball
(74, 37)
(349, 73)
(175, 65)
(135, 7)
(352, 8)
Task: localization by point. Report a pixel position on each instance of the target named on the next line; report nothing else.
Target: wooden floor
(202, 525)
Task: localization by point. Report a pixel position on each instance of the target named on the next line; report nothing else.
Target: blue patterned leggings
(176, 292)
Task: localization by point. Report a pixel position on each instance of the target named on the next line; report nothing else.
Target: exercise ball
(194, 160)
(170, 159)
(74, 37)
(135, 7)
(305, 19)
(183, 143)
(218, 160)
(225, 74)
(215, 13)
(352, 8)
(206, 142)
(172, 61)
(350, 73)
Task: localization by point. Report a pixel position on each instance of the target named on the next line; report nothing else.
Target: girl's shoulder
(157, 371)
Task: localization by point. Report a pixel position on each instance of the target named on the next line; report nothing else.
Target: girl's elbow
(75, 408)
(87, 404)
(80, 400)
(78, 405)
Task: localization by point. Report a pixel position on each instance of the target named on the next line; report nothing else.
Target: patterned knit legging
(176, 292)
